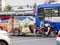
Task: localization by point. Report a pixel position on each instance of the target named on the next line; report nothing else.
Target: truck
(50, 13)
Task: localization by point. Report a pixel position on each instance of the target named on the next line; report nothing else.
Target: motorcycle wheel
(52, 34)
(38, 34)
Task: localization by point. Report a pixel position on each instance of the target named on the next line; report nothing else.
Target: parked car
(4, 38)
(58, 38)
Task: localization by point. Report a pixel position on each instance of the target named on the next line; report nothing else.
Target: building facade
(16, 3)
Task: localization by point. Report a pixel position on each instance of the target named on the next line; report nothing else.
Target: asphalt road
(32, 40)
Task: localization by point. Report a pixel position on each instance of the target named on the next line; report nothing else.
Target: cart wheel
(16, 32)
(37, 34)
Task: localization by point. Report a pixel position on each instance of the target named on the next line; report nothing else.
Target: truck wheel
(16, 32)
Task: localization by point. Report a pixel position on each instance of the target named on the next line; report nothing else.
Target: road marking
(26, 40)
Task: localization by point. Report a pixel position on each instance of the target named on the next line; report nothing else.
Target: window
(59, 11)
(41, 13)
(51, 12)
(0, 8)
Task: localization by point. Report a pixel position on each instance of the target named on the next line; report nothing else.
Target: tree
(34, 6)
(51, 1)
(8, 8)
(27, 6)
(20, 7)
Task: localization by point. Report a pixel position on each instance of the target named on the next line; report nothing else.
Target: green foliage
(8, 7)
(34, 6)
(20, 7)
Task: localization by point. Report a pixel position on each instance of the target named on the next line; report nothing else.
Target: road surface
(32, 40)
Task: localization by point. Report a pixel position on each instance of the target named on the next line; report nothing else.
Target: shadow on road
(31, 36)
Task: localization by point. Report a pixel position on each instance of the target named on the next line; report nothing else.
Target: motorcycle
(47, 31)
